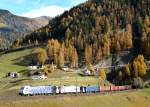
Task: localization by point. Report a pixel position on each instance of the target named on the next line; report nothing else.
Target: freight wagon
(92, 89)
(68, 89)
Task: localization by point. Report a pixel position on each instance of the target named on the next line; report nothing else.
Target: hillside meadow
(18, 62)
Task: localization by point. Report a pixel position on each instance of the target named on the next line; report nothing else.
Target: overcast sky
(36, 8)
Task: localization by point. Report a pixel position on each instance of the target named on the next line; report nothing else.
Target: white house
(36, 67)
(87, 72)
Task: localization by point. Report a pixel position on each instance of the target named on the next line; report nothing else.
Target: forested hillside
(12, 27)
(98, 28)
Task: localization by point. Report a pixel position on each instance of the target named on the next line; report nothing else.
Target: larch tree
(98, 55)
(120, 75)
(61, 56)
(52, 68)
(106, 46)
(118, 47)
(145, 38)
(41, 55)
(88, 54)
(128, 38)
(142, 65)
(46, 70)
(127, 70)
(56, 51)
(16, 43)
(102, 73)
(135, 66)
(74, 58)
(139, 66)
(91, 68)
(49, 49)
(53, 48)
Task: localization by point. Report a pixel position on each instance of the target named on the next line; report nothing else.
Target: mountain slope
(95, 18)
(12, 26)
(101, 27)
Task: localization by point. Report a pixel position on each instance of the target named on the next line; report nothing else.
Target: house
(36, 67)
(13, 75)
(87, 72)
(36, 77)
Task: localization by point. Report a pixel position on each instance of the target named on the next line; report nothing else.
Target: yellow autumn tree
(52, 68)
(46, 70)
(118, 47)
(128, 38)
(91, 68)
(88, 54)
(139, 66)
(145, 39)
(16, 43)
(53, 49)
(106, 45)
(135, 66)
(127, 70)
(49, 49)
(102, 74)
(142, 65)
(56, 48)
(74, 58)
(120, 75)
(98, 55)
(41, 55)
(61, 59)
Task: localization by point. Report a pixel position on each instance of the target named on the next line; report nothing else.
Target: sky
(37, 8)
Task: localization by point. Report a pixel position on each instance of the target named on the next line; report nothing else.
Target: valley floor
(139, 98)
(15, 62)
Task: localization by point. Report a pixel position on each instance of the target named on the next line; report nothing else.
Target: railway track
(86, 94)
(14, 96)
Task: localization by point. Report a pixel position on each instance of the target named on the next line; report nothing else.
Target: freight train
(53, 90)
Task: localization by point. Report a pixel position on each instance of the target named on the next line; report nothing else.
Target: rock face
(12, 26)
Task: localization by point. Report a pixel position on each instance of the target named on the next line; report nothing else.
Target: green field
(8, 62)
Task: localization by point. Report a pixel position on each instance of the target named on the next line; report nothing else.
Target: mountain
(101, 26)
(12, 26)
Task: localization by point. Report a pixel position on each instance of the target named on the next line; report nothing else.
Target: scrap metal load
(52, 90)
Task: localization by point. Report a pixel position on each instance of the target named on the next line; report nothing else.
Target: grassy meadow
(9, 62)
(133, 99)
(18, 61)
